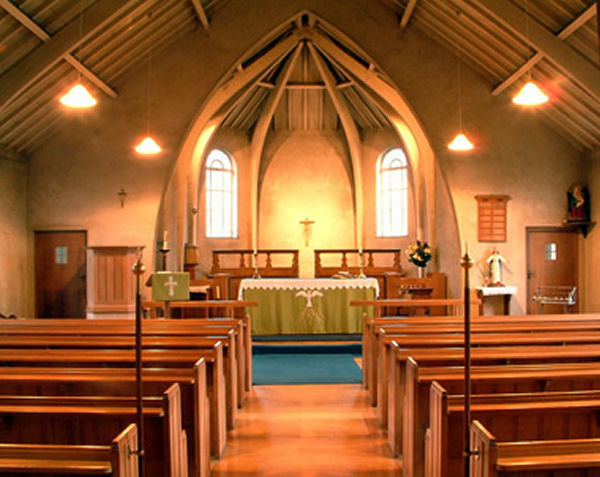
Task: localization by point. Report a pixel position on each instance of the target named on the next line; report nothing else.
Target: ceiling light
(530, 95)
(148, 147)
(460, 143)
(78, 97)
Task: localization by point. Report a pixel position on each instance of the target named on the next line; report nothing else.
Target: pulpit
(110, 281)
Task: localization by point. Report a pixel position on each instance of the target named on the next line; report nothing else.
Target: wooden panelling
(111, 283)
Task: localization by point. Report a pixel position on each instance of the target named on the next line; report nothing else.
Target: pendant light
(78, 96)
(148, 146)
(530, 94)
(460, 143)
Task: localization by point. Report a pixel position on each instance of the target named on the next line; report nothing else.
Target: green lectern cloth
(298, 306)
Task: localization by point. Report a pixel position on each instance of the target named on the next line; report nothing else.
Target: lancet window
(221, 195)
(392, 194)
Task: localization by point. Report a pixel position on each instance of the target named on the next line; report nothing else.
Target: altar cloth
(303, 305)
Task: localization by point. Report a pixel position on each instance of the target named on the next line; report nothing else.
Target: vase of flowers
(419, 254)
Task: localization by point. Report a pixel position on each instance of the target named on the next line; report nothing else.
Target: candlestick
(255, 264)
(361, 258)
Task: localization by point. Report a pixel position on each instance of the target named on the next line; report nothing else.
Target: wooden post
(138, 270)
(466, 263)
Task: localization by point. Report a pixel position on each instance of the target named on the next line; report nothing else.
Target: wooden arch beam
(404, 121)
(352, 136)
(260, 134)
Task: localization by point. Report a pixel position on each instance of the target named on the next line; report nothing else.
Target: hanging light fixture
(530, 94)
(78, 96)
(460, 143)
(148, 146)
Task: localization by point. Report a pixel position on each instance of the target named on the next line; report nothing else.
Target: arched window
(221, 195)
(392, 194)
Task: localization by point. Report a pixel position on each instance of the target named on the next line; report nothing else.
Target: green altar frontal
(302, 306)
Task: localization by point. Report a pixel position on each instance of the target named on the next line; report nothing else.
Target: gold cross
(307, 231)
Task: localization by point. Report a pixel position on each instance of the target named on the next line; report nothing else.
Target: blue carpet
(311, 337)
(306, 364)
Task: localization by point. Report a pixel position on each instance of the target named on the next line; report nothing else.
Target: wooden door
(552, 259)
(60, 274)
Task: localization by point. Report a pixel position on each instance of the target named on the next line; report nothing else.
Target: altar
(307, 305)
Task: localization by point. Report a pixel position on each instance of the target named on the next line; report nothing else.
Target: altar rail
(348, 260)
(234, 265)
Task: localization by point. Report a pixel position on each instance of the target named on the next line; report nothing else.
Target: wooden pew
(202, 327)
(40, 420)
(537, 335)
(547, 458)
(511, 417)
(455, 304)
(114, 460)
(387, 335)
(421, 325)
(223, 389)
(484, 380)
(121, 382)
(455, 357)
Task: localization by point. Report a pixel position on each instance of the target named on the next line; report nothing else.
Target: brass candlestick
(361, 258)
(256, 275)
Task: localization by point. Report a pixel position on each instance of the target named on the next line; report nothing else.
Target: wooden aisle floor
(325, 430)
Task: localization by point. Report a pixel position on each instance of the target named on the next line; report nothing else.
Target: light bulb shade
(530, 95)
(148, 146)
(78, 97)
(460, 143)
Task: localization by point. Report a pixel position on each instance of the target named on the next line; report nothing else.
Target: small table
(307, 305)
(504, 291)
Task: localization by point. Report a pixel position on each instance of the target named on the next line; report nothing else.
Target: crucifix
(307, 230)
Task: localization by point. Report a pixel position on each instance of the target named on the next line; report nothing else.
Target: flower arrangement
(419, 253)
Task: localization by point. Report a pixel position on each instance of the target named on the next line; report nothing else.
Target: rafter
(34, 28)
(573, 65)
(408, 11)
(200, 13)
(11, 155)
(35, 65)
(563, 35)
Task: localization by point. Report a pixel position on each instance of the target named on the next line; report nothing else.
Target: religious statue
(495, 261)
(578, 202)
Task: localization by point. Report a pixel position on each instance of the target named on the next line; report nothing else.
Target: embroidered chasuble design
(310, 315)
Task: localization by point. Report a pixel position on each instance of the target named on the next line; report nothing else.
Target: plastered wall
(13, 236)
(591, 245)
(306, 179)
(75, 177)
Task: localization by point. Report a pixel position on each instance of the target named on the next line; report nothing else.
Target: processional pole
(138, 270)
(467, 263)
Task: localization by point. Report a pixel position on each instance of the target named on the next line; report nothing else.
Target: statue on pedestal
(495, 261)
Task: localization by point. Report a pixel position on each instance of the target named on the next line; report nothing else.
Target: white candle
(164, 242)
